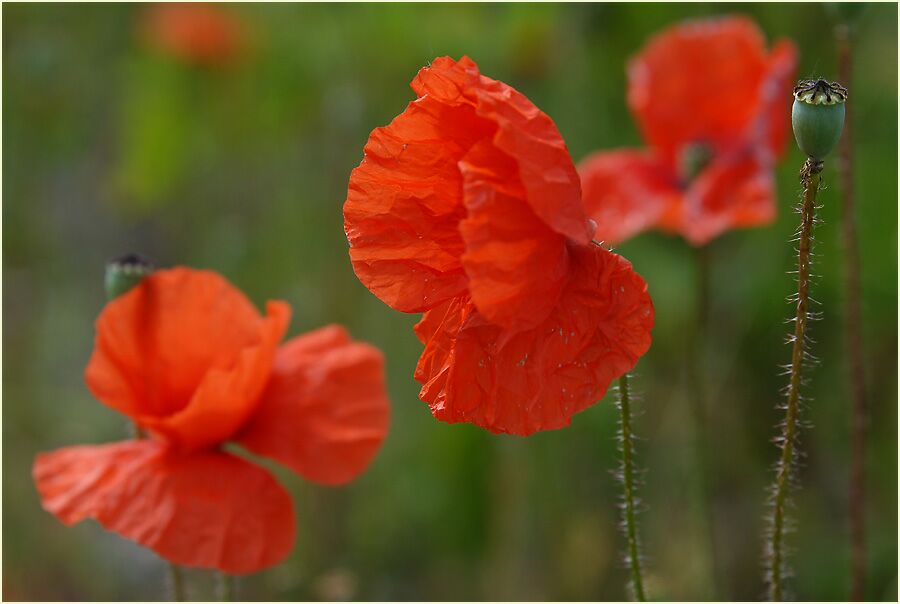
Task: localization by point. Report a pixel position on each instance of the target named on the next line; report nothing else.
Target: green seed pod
(818, 116)
(124, 273)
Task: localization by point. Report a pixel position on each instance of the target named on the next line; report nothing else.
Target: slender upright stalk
(775, 554)
(628, 484)
(227, 587)
(853, 331)
(696, 359)
(703, 285)
(176, 577)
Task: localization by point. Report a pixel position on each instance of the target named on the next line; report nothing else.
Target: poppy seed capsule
(125, 272)
(818, 116)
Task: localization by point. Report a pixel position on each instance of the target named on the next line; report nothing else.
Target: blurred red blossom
(468, 208)
(714, 106)
(188, 358)
(199, 33)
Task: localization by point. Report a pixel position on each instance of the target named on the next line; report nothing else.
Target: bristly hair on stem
(777, 569)
(628, 477)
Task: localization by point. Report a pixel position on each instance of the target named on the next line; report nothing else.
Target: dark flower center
(692, 160)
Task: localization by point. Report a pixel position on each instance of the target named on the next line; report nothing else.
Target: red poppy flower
(467, 207)
(188, 358)
(712, 104)
(201, 33)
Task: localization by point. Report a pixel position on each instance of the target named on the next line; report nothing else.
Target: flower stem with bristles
(775, 553)
(853, 327)
(628, 484)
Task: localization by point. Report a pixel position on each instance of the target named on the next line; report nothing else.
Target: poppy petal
(524, 132)
(733, 192)
(178, 337)
(533, 380)
(226, 398)
(405, 200)
(192, 510)
(626, 192)
(448, 81)
(325, 410)
(516, 265)
(546, 170)
(775, 98)
(698, 82)
(404, 205)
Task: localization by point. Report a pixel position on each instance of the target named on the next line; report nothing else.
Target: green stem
(703, 284)
(176, 576)
(628, 483)
(696, 360)
(775, 557)
(227, 587)
(853, 327)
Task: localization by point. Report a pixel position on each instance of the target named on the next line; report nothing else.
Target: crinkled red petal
(226, 399)
(208, 509)
(520, 383)
(733, 192)
(698, 82)
(626, 192)
(515, 264)
(404, 205)
(185, 354)
(325, 410)
(546, 170)
(405, 201)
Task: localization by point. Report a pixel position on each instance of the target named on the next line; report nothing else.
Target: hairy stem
(628, 484)
(775, 557)
(176, 577)
(853, 331)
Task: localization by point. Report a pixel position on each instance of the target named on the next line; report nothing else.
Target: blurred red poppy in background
(200, 33)
(188, 358)
(467, 207)
(714, 106)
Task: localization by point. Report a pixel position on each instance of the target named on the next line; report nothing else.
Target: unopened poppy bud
(818, 116)
(125, 272)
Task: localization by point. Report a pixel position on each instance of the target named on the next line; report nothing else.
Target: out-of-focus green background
(110, 146)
